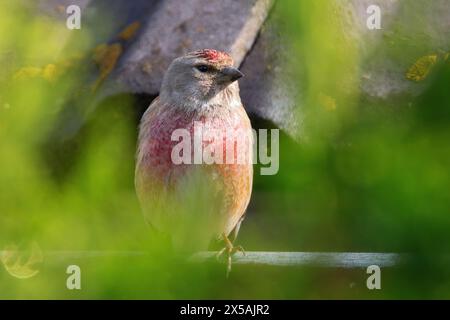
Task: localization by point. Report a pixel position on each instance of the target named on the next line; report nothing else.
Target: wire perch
(316, 259)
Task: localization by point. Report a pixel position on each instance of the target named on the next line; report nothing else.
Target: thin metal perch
(316, 259)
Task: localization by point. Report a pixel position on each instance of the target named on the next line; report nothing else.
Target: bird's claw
(230, 249)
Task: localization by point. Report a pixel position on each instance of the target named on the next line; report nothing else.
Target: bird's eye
(202, 68)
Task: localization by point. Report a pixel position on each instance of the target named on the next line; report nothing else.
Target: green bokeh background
(366, 176)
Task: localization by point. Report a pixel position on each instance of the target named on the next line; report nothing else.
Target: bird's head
(199, 77)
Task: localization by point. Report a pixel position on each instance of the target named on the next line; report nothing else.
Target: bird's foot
(229, 250)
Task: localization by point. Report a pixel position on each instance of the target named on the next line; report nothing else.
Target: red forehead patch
(214, 56)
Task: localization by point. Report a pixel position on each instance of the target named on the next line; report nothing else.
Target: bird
(197, 203)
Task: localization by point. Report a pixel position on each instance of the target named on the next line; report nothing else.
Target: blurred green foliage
(365, 177)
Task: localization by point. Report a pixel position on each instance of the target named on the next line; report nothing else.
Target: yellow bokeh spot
(129, 31)
(421, 68)
(49, 72)
(27, 73)
(327, 102)
(15, 263)
(106, 57)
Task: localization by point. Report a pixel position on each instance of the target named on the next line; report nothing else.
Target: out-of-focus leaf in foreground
(22, 264)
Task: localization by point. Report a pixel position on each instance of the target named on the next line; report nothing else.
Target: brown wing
(239, 184)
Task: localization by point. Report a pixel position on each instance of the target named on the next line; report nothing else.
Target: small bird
(196, 203)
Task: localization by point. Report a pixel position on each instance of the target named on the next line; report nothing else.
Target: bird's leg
(229, 249)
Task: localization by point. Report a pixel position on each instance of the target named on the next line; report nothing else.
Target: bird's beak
(231, 74)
